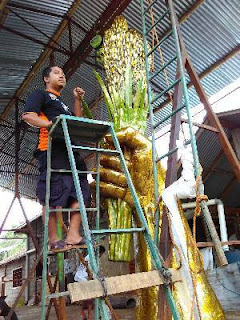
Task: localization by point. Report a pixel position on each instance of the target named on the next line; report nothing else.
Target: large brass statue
(126, 102)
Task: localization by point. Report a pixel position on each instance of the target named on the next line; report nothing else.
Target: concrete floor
(73, 313)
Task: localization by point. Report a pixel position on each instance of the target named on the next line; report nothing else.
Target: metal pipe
(221, 217)
(29, 251)
(27, 270)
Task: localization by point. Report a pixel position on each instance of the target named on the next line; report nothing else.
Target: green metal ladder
(87, 130)
(179, 57)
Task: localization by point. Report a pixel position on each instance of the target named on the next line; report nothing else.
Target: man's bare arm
(78, 94)
(34, 120)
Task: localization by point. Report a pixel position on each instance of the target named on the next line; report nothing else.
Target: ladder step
(118, 231)
(70, 171)
(169, 116)
(80, 129)
(71, 210)
(171, 152)
(158, 20)
(160, 42)
(114, 285)
(150, 6)
(167, 154)
(113, 152)
(163, 67)
(166, 90)
(57, 295)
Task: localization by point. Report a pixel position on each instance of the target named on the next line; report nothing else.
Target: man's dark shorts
(63, 191)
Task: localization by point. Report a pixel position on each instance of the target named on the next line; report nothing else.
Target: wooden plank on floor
(93, 289)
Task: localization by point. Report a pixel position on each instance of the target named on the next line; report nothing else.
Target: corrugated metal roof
(209, 33)
(233, 117)
(17, 54)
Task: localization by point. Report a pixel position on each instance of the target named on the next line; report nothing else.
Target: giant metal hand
(138, 155)
(137, 151)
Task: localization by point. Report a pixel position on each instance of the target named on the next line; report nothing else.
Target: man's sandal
(62, 246)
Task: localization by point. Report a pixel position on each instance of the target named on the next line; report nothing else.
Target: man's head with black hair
(46, 71)
(54, 78)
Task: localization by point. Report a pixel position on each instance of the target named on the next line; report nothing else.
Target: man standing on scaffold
(42, 106)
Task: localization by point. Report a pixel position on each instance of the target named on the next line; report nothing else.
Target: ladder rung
(163, 67)
(70, 171)
(166, 90)
(169, 116)
(150, 6)
(160, 42)
(72, 210)
(115, 152)
(171, 151)
(167, 154)
(109, 231)
(158, 20)
(57, 295)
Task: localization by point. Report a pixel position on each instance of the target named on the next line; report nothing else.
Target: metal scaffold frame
(92, 131)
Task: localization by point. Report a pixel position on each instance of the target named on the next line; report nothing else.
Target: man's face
(56, 79)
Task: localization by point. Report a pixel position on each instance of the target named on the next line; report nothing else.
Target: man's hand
(49, 126)
(78, 92)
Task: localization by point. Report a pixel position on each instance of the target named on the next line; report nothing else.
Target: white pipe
(222, 223)
(221, 217)
(30, 251)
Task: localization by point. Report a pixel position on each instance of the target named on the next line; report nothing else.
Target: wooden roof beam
(3, 11)
(104, 21)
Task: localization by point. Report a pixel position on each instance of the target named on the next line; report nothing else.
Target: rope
(164, 272)
(170, 229)
(102, 280)
(155, 36)
(197, 211)
(172, 239)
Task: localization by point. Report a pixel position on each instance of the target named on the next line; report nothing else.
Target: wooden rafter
(225, 144)
(103, 22)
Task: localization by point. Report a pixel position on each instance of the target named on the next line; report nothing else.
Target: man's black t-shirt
(49, 104)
